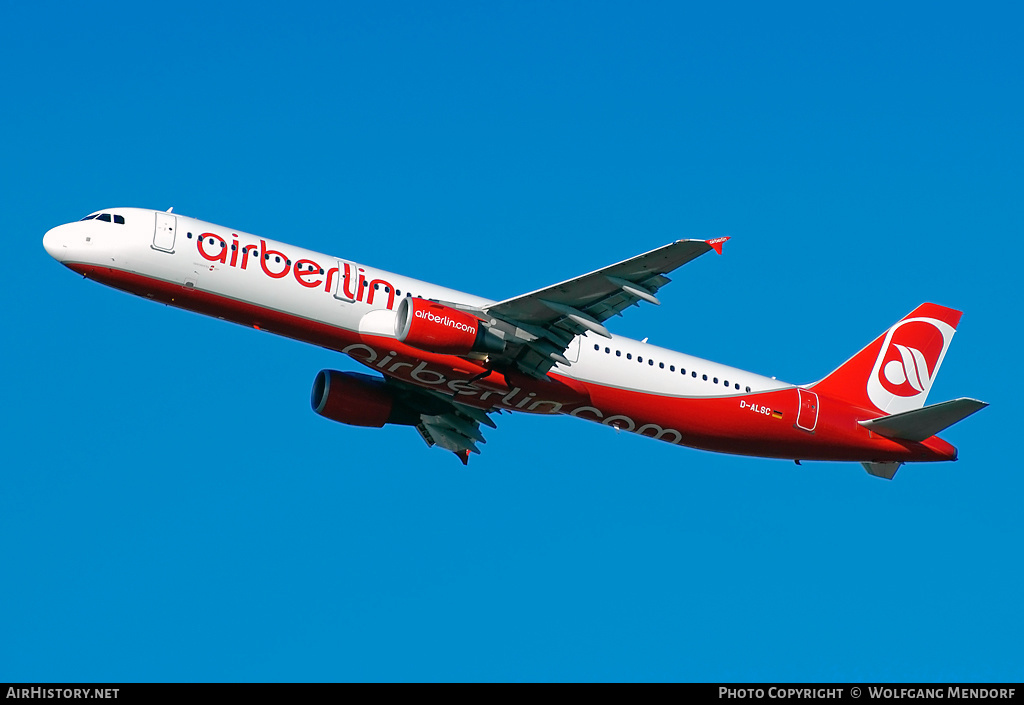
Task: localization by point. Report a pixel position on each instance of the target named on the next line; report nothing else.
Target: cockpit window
(105, 217)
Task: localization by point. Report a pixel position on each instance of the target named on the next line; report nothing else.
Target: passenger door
(346, 270)
(807, 416)
(163, 232)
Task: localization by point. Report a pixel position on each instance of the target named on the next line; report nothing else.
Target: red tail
(895, 372)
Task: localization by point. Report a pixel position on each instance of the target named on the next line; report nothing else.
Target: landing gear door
(345, 282)
(163, 233)
(807, 416)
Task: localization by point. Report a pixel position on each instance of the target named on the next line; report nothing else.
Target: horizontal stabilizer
(886, 470)
(920, 424)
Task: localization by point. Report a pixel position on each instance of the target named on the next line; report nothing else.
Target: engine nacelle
(358, 400)
(434, 327)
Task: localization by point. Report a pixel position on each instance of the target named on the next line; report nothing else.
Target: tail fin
(895, 372)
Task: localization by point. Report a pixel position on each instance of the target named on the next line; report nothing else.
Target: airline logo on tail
(907, 363)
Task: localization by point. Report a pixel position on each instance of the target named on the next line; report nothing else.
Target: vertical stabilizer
(895, 372)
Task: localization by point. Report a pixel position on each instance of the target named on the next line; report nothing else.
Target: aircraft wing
(539, 326)
(443, 421)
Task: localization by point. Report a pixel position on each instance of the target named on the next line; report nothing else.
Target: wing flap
(444, 422)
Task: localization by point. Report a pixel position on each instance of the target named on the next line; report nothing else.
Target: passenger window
(748, 389)
(651, 362)
(716, 380)
(597, 347)
(629, 356)
(671, 368)
(737, 385)
(618, 353)
(662, 365)
(695, 375)
(639, 359)
(607, 351)
(705, 377)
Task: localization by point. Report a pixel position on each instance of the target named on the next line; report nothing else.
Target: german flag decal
(776, 414)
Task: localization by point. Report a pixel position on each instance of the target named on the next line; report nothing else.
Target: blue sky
(171, 509)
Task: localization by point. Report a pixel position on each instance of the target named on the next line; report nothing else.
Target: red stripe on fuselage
(742, 424)
(746, 424)
(252, 315)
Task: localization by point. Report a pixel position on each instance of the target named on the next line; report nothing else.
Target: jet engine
(358, 400)
(434, 327)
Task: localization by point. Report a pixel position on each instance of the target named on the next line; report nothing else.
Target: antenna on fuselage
(169, 209)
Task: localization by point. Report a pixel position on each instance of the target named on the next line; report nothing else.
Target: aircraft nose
(53, 242)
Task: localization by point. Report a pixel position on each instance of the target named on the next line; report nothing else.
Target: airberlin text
(422, 375)
(445, 321)
(516, 398)
(274, 264)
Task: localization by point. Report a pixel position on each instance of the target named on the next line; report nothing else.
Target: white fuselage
(341, 305)
(276, 276)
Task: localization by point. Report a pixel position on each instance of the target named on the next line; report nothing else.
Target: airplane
(446, 362)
